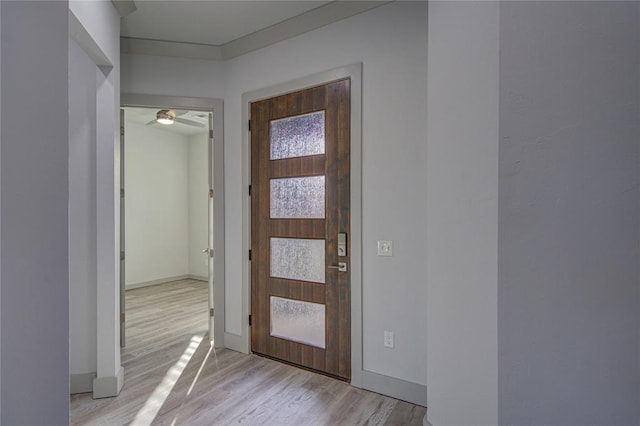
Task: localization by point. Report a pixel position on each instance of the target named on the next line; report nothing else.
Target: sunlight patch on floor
(152, 406)
(204, 361)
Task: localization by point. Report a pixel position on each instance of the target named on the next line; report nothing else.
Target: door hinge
(211, 193)
(249, 125)
(249, 320)
(122, 317)
(249, 190)
(121, 192)
(249, 254)
(210, 134)
(121, 131)
(211, 312)
(122, 255)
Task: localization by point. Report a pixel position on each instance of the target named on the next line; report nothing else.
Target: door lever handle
(341, 267)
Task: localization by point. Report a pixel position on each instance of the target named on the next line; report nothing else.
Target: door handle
(341, 267)
(206, 250)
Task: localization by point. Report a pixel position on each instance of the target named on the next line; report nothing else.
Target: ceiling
(146, 115)
(208, 22)
(212, 29)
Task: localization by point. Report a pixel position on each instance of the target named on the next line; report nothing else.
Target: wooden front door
(300, 227)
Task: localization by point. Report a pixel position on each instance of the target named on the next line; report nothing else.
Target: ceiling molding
(176, 49)
(308, 21)
(124, 7)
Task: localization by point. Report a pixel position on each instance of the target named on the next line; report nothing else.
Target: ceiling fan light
(165, 121)
(164, 117)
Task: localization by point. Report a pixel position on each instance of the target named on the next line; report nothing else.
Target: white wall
(391, 43)
(143, 74)
(157, 204)
(166, 212)
(95, 26)
(569, 189)
(82, 212)
(462, 216)
(198, 204)
(34, 244)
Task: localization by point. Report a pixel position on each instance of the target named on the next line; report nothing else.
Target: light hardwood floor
(174, 377)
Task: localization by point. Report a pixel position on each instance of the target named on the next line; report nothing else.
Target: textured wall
(568, 213)
(35, 276)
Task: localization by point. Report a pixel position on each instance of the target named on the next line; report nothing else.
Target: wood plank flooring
(174, 377)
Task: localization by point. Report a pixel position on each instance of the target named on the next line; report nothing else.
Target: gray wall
(568, 292)
(462, 213)
(35, 279)
(0, 219)
(82, 212)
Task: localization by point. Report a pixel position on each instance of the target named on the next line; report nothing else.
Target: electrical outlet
(388, 339)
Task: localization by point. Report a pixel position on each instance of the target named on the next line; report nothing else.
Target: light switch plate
(385, 248)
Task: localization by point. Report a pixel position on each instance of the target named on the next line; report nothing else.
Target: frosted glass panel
(297, 259)
(297, 197)
(302, 322)
(297, 136)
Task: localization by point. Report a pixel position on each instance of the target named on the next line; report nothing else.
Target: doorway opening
(172, 215)
(167, 222)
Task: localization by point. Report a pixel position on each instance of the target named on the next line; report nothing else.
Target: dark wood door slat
(300, 290)
(313, 165)
(297, 228)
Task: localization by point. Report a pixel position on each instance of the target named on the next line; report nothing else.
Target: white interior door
(210, 251)
(122, 245)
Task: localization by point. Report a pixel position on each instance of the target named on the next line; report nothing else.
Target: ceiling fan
(170, 116)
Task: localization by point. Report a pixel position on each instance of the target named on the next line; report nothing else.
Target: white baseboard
(106, 387)
(81, 383)
(158, 281)
(396, 388)
(166, 280)
(198, 278)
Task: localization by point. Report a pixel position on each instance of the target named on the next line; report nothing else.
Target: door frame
(354, 72)
(214, 106)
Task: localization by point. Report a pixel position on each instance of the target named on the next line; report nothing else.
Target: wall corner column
(462, 212)
(109, 379)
